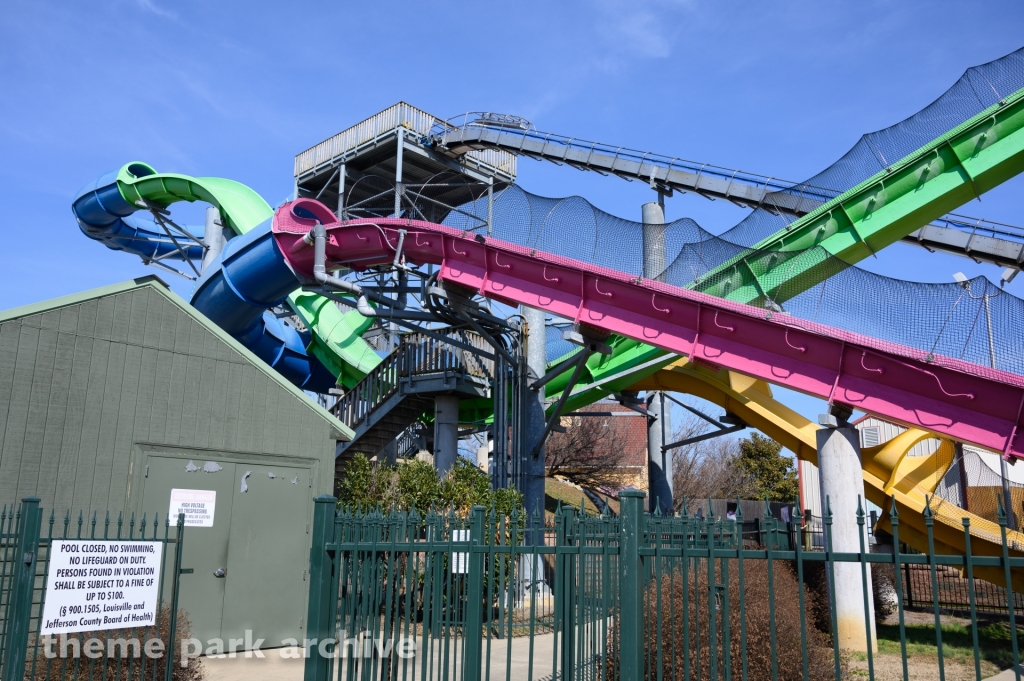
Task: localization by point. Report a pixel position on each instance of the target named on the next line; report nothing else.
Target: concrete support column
(533, 413)
(659, 463)
(215, 235)
(399, 160)
(446, 432)
(653, 216)
(531, 568)
(842, 482)
(1011, 512)
(958, 456)
(483, 455)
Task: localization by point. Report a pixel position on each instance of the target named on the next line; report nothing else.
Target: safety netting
(975, 321)
(971, 483)
(979, 88)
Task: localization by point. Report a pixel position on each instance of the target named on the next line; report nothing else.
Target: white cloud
(156, 9)
(646, 29)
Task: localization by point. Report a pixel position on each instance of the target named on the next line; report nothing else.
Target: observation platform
(357, 171)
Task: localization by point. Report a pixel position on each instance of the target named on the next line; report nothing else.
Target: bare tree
(594, 452)
(707, 469)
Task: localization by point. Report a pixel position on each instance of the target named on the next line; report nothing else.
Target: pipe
(364, 296)
(363, 305)
(659, 458)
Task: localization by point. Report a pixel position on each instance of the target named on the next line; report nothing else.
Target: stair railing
(416, 355)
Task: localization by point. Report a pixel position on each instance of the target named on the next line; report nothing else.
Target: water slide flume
(237, 290)
(957, 399)
(951, 170)
(890, 475)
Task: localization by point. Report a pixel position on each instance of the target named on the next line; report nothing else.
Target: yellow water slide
(890, 476)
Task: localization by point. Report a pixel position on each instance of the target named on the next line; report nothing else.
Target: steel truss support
(578, 363)
(630, 399)
(706, 436)
(726, 425)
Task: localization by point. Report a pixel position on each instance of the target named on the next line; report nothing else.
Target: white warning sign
(460, 559)
(198, 506)
(98, 585)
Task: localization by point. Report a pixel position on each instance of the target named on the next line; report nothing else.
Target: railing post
(565, 591)
(322, 573)
(475, 597)
(23, 581)
(172, 624)
(631, 605)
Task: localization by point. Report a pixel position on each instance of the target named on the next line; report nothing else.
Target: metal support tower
(381, 168)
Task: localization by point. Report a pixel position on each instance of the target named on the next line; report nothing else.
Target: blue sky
(236, 89)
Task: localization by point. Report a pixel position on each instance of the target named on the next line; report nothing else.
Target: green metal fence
(27, 534)
(419, 597)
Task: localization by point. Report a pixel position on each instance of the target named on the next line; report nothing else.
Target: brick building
(623, 440)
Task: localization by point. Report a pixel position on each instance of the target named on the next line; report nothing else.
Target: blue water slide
(236, 291)
(104, 215)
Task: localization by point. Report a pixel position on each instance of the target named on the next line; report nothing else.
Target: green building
(112, 398)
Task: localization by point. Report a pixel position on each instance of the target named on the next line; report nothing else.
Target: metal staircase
(384, 405)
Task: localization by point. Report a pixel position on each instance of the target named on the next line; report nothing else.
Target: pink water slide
(957, 399)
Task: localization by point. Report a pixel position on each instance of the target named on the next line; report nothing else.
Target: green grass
(557, 492)
(957, 642)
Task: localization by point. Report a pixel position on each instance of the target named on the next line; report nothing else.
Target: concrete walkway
(240, 668)
(1006, 675)
(287, 664)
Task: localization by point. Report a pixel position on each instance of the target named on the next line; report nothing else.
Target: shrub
(415, 484)
(756, 598)
(118, 668)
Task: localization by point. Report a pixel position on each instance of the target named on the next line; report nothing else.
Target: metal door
(205, 548)
(269, 554)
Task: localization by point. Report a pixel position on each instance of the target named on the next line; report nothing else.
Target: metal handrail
(400, 115)
(647, 161)
(416, 355)
(646, 158)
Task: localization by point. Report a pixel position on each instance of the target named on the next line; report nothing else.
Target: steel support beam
(446, 432)
(706, 436)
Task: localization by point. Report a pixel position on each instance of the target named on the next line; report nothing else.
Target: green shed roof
(156, 284)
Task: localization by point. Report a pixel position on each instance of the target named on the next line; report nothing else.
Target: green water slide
(953, 169)
(336, 335)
